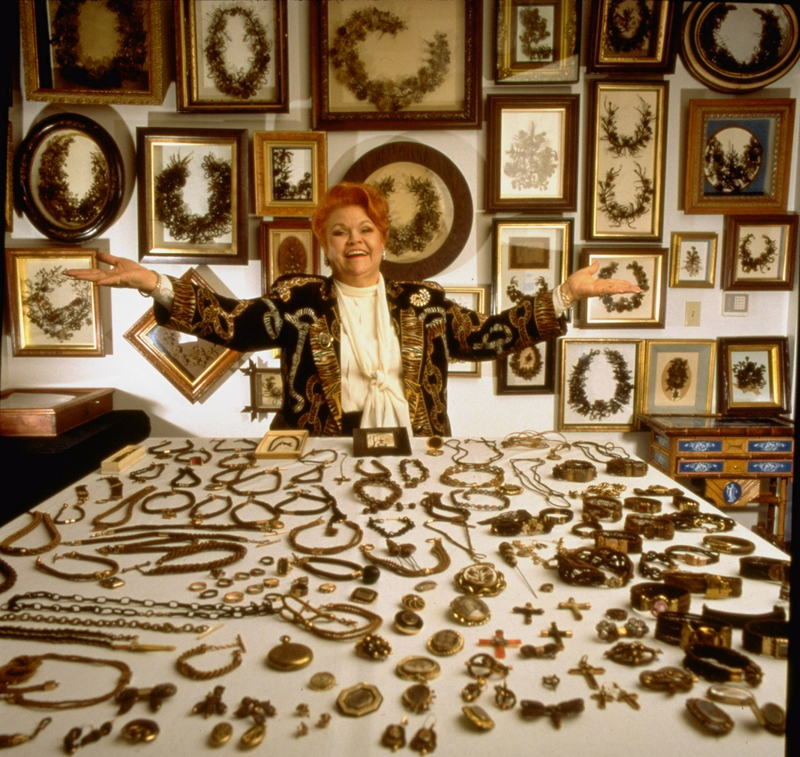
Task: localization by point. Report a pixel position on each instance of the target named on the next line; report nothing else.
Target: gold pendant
(418, 698)
(252, 737)
(289, 656)
(220, 734)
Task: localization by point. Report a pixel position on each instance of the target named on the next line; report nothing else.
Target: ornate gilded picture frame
(232, 56)
(537, 41)
(430, 207)
(753, 376)
(760, 252)
(599, 384)
(192, 186)
(266, 389)
(532, 152)
(286, 247)
(53, 315)
(191, 364)
(528, 256)
(693, 259)
(738, 155)
(398, 66)
(85, 53)
(679, 376)
(291, 171)
(633, 36)
(739, 48)
(473, 298)
(69, 177)
(624, 199)
(644, 266)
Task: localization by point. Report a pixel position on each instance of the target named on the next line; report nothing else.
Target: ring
(119, 280)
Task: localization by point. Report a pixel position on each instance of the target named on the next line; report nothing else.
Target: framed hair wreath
(599, 384)
(232, 56)
(643, 266)
(192, 195)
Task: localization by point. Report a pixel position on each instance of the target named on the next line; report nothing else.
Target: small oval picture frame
(69, 177)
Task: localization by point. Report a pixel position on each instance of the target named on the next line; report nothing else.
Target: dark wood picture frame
(192, 367)
(532, 153)
(644, 266)
(212, 163)
(537, 41)
(753, 376)
(624, 200)
(768, 267)
(443, 196)
(706, 28)
(69, 177)
(637, 38)
(738, 155)
(54, 53)
(345, 97)
(53, 315)
(286, 246)
(204, 61)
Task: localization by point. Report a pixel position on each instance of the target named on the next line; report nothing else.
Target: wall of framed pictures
(619, 174)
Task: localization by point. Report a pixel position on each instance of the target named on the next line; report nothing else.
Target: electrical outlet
(692, 313)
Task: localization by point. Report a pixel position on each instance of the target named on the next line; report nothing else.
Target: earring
(383, 255)
(394, 736)
(425, 740)
(326, 261)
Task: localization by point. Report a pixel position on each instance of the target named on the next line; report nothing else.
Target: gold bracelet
(566, 297)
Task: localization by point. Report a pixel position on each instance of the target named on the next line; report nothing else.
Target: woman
(356, 349)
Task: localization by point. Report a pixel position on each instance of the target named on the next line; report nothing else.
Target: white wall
(475, 408)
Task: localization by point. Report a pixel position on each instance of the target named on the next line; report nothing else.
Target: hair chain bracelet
(189, 671)
(37, 517)
(330, 530)
(437, 550)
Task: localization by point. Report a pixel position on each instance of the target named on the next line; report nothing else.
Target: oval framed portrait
(70, 177)
(430, 207)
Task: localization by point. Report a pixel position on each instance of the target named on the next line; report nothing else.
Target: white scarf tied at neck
(378, 360)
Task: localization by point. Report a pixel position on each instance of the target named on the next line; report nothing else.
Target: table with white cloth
(631, 719)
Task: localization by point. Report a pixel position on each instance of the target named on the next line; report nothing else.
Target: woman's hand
(583, 284)
(124, 273)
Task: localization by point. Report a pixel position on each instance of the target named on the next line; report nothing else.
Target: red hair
(347, 193)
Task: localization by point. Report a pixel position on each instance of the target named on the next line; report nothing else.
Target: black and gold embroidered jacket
(300, 316)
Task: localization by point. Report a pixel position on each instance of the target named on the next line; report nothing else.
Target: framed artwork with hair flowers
(753, 376)
(678, 376)
(396, 64)
(98, 52)
(633, 36)
(528, 256)
(192, 186)
(232, 56)
(643, 266)
(600, 381)
(760, 252)
(738, 155)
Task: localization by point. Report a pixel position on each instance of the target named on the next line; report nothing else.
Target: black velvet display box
(40, 467)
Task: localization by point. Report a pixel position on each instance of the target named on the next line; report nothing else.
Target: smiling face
(353, 246)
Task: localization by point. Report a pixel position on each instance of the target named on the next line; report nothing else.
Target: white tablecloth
(662, 726)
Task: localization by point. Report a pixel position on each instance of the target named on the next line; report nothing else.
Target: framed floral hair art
(537, 41)
(53, 315)
(643, 266)
(625, 176)
(192, 186)
(679, 376)
(531, 152)
(693, 259)
(753, 376)
(760, 252)
(599, 384)
(266, 389)
(528, 257)
(100, 52)
(633, 36)
(738, 155)
(286, 246)
(390, 65)
(232, 56)
(191, 364)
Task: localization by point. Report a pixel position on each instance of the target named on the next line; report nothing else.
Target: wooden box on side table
(50, 411)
